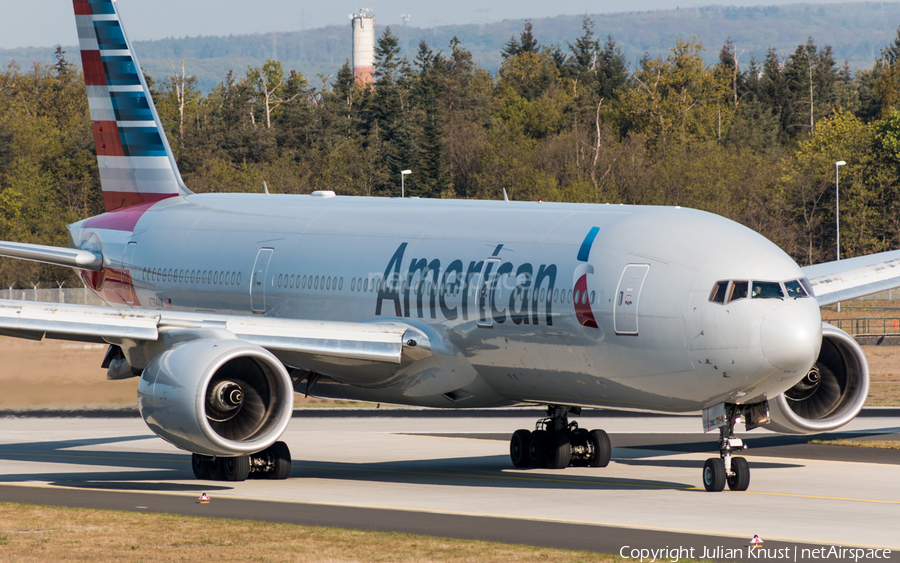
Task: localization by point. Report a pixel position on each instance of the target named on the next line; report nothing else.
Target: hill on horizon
(856, 33)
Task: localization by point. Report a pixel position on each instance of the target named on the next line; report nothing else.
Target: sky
(51, 22)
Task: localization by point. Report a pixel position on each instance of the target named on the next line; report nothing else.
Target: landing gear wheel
(740, 478)
(216, 468)
(200, 466)
(537, 448)
(281, 461)
(559, 453)
(518, 448)
(602, 449)
(236, 468)
(714, 475)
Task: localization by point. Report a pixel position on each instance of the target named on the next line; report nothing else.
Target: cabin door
(625, 309)
(258, 280)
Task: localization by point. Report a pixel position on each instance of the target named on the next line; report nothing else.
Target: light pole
(403, 175)
(837, 212)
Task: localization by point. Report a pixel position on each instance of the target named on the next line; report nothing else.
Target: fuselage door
(258, 280)
(625, 309)
(127, 277)
(485, 288)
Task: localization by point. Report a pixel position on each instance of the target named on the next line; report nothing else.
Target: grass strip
(875, 444)
(41, 533)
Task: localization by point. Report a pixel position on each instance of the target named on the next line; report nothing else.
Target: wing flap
(77, 321)
(855, 277)
(381, 342)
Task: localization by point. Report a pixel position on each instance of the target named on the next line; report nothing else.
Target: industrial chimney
(363, 45)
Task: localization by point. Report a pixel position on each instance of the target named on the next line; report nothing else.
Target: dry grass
(884, 368)
(37, 533)
(875, 444)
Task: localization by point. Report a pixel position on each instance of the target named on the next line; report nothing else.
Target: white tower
(363, 45)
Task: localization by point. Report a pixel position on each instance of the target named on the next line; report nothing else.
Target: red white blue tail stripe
(135, 160)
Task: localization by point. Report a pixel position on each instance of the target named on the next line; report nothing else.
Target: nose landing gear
(557, 443)
(735, 471)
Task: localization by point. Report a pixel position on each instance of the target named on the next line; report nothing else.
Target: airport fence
(866, 326)
(71, 295)
(82, 296)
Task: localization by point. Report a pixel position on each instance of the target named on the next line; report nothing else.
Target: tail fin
(135, 159)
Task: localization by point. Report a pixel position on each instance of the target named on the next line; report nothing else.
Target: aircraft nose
(791, 335)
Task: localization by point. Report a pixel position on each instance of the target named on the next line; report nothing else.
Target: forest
(752, 139)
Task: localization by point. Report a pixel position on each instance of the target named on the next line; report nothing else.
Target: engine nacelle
(216, 397)
(831, 394)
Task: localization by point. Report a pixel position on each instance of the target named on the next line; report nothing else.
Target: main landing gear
(727, 469)
(557, 443)
(272, 463)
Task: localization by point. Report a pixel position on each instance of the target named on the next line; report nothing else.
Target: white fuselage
(593, 305)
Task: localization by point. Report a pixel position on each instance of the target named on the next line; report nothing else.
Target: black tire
(714, 475)
(518, 448)
(537, 449)
(740, 479)
(559, 453)
(281, 460)
(200, 466)
(236, 468)
(602, 449)
(216, 468)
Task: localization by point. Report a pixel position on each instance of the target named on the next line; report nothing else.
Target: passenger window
(795, 289)
(738, 290)
(767, 290)
(719, 291)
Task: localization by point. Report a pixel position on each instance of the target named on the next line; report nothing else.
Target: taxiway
(449, 474)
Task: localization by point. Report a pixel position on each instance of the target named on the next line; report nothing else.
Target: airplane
(226, 305)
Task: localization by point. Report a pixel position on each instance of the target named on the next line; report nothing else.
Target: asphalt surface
(450, 476)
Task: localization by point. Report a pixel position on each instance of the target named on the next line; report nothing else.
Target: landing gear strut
(272, 463)
(557, 443)
(735, 471)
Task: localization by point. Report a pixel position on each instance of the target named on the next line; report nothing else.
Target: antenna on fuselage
(266, 188)
(505, 198)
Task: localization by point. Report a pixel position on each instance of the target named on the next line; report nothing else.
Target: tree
(612, 70)
(525, 44)
(268, 88)
(584, 51)
(675, 100)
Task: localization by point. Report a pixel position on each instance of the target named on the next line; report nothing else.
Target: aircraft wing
(71, 257)
(854, 277)
(322, 343)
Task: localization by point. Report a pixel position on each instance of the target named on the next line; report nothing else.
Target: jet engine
(216, 397)
(831, 394)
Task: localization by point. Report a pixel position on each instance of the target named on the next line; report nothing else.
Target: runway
(448, 474)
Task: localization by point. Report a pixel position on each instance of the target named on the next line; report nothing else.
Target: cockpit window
(767, 290)
(807, 286)
(718, 292)
(738, 290)
(795, 289)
